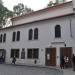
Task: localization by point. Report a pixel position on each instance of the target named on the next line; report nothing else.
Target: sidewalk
(68, 71)
(10, 69)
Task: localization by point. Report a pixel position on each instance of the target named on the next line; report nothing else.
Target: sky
(33, 4)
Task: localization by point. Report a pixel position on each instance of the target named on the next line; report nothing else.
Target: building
(40, 37)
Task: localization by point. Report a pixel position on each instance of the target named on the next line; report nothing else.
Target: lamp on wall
(64, 44)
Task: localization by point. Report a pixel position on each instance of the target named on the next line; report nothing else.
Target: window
(15, 52)
(18, 35)
(1, 38)
(4, 38)
(33, 53)
(23, 54)
(57, 31)
(29, 53)
(35, 33)
(14, 36)
(30, 34)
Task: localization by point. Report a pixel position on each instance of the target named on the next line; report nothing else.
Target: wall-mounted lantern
(65, 45)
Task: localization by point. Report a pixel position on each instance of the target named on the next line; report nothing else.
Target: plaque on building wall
(23, 54)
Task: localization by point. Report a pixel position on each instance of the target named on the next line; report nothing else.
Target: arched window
(1, 38)
(35, 33)
(18, 35)
(14, 36)
(57, 31)
(30, 34)
(4, 38)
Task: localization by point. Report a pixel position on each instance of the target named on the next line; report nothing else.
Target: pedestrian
(62, 62)
(14, 60)
(67, 62)
(73, 61)
(1, 59)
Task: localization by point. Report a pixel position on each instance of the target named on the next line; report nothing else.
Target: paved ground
(25, 70)
(69, 72)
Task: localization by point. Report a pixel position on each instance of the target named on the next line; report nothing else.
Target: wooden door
(66, 51)
(51, 56)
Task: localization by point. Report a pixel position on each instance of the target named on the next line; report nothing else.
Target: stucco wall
(45, 40)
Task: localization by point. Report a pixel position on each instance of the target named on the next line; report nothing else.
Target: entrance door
(2, 54)
(67, 51)
(51, 56)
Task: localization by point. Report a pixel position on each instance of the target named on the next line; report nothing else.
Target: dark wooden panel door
(51, 56)
(66, 51)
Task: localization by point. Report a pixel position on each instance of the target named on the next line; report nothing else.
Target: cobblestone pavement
(68, 71)
(25, 70)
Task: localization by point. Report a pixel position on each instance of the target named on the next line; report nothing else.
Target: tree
(56, 2)
(1, 2)
(20, 9)
(50, 4)
(4, 14)
(59, 1)
(28, 10)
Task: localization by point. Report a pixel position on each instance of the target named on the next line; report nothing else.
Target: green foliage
(20, 9)
(17, 10)
(50, 4)
(57, 2)
(60, 1)
(28, 9)
(4, 14)
(1, 2)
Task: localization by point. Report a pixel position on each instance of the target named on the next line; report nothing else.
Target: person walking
(14, 60)
(62, 62)
(67, 62)
(73, 61)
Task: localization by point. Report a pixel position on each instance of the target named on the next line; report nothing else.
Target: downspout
(71, 27)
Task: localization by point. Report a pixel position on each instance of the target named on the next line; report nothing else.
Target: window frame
(57, 31)
(14, 36)
(15, 53)
(30, 34)
(33, 54)
(4, 37)
(1, 36)
(36, 34)
(18, 36)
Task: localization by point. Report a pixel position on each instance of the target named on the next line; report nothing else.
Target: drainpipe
(70, 27)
